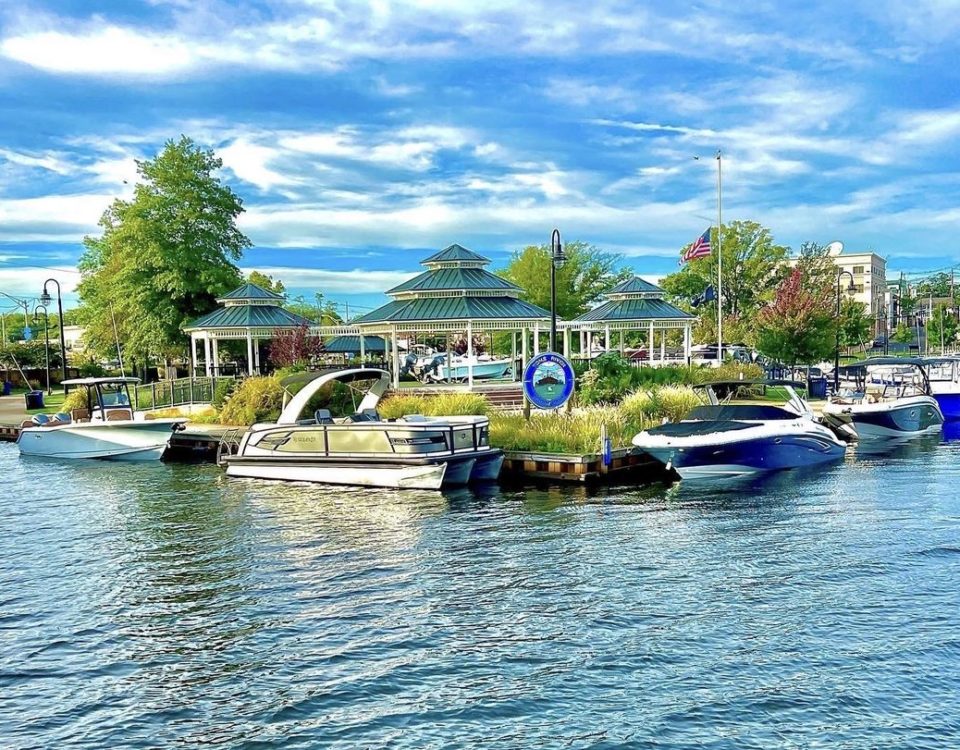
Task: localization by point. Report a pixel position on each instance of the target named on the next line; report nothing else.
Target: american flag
(699, 248)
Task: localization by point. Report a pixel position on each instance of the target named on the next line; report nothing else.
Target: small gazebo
(632, 305)
(456, 294)
(248, 312)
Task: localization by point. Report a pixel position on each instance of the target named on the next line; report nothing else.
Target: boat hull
(487, 467)
(949, 404)
(748, 456)
(423, 477)
(916, 415)
(111, 441)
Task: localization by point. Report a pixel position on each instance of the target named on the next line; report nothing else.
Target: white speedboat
(307, 444)
(109, 429)
(437, 368)
(725, 440)
(891, 399)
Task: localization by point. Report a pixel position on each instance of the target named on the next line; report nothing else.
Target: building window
(858, 269)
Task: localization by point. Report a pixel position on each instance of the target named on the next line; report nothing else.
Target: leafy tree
(163, 257)
(586, 274)
(294, 348)
(266, 282)
(752, 265)
(798, 327)
(903, 334)
(942, 327)
(855, 324)
(937, 285)
(321, 312)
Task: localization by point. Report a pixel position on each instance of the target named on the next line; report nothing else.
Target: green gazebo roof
(454, 278)
(351, 344)
(454, 308)
(248, 316)
(634, 309)
(251, 292)
(456, 253)
(635, 285)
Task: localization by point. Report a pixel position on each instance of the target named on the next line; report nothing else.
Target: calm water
(165, 606)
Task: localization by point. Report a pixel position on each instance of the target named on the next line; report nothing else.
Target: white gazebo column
(513, 355)
(536, 337)
(395, 352)
(686, 342)
(256, 355)
(606, 337)
(650, 343)
(193, 354)
(216, 357)
(470, 354)
(622, 349)
(566, 343)
(663, 345)
(249, 354)
(363, 349)
(523, 349)
(206, 354)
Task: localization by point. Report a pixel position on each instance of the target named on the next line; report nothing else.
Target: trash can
(7, 387)
(817, 388)
(34, 399)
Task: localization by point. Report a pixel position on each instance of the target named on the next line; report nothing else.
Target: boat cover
(688, 429)
(750, 412)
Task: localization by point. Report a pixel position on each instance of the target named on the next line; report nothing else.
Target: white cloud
(27, 283)
(356, 281)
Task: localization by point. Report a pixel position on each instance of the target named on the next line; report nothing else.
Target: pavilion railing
(166, 394)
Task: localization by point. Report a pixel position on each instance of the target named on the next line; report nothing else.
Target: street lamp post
(836, 354)
(46, 299)
(556, 260)
(46, 339)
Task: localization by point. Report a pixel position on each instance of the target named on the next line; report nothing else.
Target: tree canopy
(264, 281)
(937, 285)
(942, 328)
(798, 328)
(586, 274)
(164, 256)
(752, 265)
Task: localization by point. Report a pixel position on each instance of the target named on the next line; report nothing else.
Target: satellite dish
(834, 248)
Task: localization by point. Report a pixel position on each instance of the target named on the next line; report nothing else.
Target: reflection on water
(163, 605)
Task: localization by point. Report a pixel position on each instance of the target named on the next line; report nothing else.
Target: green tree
(322, 311)
(266, 282)
(798, 328)
(164, 256)
(586, 274)
(855, 324)
(903, 334)
(942, 328)
(936, 285)
(752, 265)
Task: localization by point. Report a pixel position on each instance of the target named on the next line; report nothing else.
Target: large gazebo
(248, 312)
(632, 305)
(455, 295)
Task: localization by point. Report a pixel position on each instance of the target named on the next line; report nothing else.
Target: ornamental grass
(453, 404)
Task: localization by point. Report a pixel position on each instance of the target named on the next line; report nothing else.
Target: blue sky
(364, 135)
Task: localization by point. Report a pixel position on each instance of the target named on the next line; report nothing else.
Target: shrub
(222, 390)
(730, 371)
(559, 432)
(651, 406)
(442, 404)
(76, 399)
(256, 399)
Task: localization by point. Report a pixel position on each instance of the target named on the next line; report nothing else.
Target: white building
(72, 337)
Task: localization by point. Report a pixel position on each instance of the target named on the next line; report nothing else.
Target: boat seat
(323, 416)
(39, 420)
(118, 415)
(80, 415)
(367, 415)
(415, 418)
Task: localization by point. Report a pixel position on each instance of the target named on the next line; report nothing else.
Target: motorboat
(108, 429)
(891, 398)
(307, 443)
(430, 366)
(943, 374)
(722, 439)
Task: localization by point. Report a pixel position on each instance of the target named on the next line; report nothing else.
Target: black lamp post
(556, 260)
(836, 354)
(46, 338)
(46, 299)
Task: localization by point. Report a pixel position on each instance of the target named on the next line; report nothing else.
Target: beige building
(869, 272)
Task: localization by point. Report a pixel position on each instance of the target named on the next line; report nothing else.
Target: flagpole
(719, 260)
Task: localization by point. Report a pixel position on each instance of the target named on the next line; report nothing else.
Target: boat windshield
(114, 395)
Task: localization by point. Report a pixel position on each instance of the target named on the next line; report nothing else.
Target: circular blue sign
(548, 381)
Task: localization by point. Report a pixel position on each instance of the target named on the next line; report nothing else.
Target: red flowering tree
(294, 348)
(799, 327)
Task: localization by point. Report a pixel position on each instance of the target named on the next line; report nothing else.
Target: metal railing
(166, 394)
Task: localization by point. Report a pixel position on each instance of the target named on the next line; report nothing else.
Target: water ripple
(156, 606)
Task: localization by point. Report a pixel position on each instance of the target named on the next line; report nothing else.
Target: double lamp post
(836, 353)
(45, 300)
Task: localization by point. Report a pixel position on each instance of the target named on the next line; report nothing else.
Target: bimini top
(99, 381)
(381, 378)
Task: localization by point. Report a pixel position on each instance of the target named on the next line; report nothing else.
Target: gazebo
(456, 294)
(248, 312)
(632, 305)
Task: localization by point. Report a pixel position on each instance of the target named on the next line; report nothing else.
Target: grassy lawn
(51, 403)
